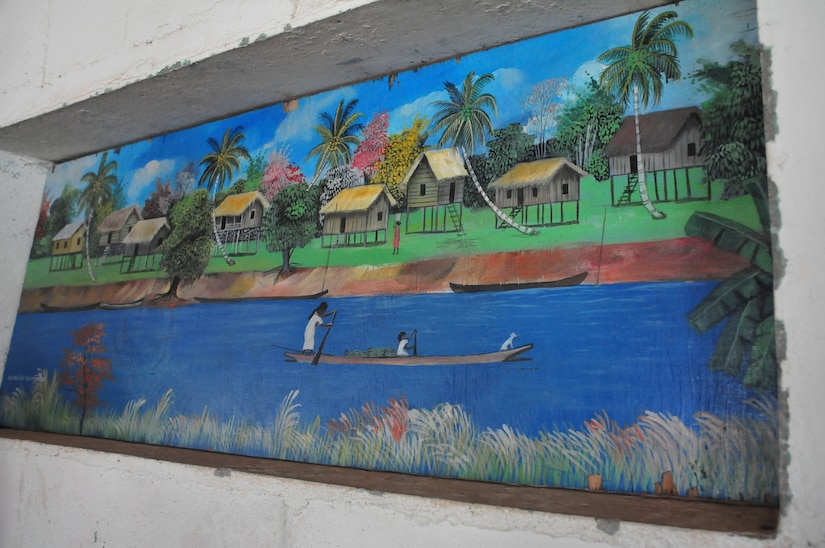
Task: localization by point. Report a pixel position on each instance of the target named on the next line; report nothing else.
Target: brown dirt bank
(684, 259)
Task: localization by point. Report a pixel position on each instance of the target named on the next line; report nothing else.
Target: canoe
(479, 288)
(269, 298)
(121, 306)
(74, 308)
(412, 361)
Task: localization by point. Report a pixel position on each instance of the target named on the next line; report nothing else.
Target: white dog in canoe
(508, 344)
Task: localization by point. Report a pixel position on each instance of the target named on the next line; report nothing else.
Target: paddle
(415, 341)
(324, 340)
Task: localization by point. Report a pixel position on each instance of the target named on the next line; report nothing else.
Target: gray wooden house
(539, 193)
(671, 141)
(141, 245)
(357, 215)
(68, 246)
(114, 229)
(435, 187)
(238, 220)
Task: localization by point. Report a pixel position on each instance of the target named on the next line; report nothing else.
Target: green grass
(597, 218)
(722, 457)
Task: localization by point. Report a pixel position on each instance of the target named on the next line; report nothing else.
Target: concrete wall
(56, 53)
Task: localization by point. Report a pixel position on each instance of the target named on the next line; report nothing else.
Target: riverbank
(683, 259)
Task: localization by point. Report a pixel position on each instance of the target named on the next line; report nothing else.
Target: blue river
(616, 349)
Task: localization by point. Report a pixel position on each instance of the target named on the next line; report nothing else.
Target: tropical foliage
(745, 299)
(369, 155)
(280, 172)
(463, 119)
(291, 220)
(85, 368)
(636, 73)
(402, 150)
(544, 103)
(99, 191)
(220, 165)
(189, 245)
(732, 119)
(339, 135)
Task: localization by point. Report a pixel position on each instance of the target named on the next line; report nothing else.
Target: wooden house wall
(674, 158)
(422, 176)
(117, 236)
(548, 193)
(444, 191)
(67, 246)
(359, 221)
(253, 215)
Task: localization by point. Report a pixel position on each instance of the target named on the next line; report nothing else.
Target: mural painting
(548, 263)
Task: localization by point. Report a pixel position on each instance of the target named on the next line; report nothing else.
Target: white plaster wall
(54, 496)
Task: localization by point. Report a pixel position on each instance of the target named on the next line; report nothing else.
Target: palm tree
(634, 72)
(338, 133)
(463, 121)
(221, 164)
(99, 190)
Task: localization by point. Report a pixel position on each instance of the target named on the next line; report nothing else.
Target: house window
(380, 216)
(422, 191)
(160, 241)
(691, 149)
(109, 238)
(535, 192)
(78, 241)
(65, 244)
(251, 214)
(565, 188)
(509, 194)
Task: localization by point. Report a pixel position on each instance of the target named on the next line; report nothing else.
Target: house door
(634, 164)
(452, 193)
(520, 197)
(343, 225)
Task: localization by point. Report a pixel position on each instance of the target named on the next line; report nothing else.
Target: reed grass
(733, 458)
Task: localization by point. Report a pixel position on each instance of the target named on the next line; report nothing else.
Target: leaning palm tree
(635, 73)
(221, 163)
(99, 190)
(338, 133)
(463, 121)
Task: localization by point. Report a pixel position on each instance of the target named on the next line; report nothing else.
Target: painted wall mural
(548, 263)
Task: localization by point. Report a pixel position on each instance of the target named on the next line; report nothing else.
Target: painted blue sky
(517, 67)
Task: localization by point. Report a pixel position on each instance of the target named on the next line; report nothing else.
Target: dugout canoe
(71, 308)
(413, 361)
(480, 288)
(267, 298)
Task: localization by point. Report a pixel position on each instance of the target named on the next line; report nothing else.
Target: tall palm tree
(338, 133)
(635, 73)
(100, 187)
(463, 121)
(220, 165)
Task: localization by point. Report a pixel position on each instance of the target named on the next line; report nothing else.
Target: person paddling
(404, 344)
(316, 319)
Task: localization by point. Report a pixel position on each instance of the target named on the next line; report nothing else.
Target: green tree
(585, 127)
(99, 190)
(733, 119)
(402, 150)
(339, 133)
(189, 246)
(745, 299)
(220, 165)
(636, 73)
(463, 121)
(291, 220)
(254, 172)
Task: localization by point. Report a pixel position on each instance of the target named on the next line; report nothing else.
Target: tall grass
(720, 457)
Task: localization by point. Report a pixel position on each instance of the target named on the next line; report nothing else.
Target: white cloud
(298, 125)
(404, 115)
(509, 78)
(146, 175)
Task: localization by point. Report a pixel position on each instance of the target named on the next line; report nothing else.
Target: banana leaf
(730, 295)
(762, 365)
(731, 236)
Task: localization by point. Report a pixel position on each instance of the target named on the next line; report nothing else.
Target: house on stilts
(671, 143)
(238, 221)
(114, 229)
(357, 216)
(435, 188)
(67, 247)
(540, 193)
(140, 252)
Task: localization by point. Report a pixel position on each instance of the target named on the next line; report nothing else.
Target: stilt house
(141, 245)
(68, 246)
(671, 141)
(538, 193)
(435, 186)
(114, 229)
(238, 220)
(357, 215)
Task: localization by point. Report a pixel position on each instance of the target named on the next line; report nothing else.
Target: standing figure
(316, 319)
(396, 238)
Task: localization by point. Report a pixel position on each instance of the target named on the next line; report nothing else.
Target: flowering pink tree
(368, 156)
(280, 172)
